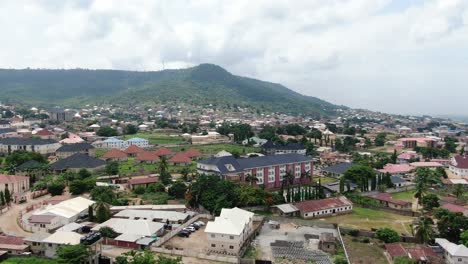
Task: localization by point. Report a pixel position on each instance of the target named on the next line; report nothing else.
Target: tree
(424, 178)
(2, 199)
(145, 257)
(178, 190)
(450, 144)
(90, 213)
(155, 187)
(164, 174)
(84, 174)
(450, 225)
(185, 171)
(440, 172)
(108, 232)
(380, 140)
(7, 195)
(361, 175)
(403, 260)
(139, 190)
(112, 168)
(387, 235)
(268, 132)
(464, 238)
(423, 230)
(104, 194)
(342, 184)
(107, 131)
(102, 211)
(251, 179)
(394, 157)
(56, 188)
(72, 254)
(81, 186)
(430, 201)
(459, 190)
(130, 129)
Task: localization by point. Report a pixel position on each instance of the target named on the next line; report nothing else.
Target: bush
(353, 232)
(340, 260)
(155, 187)
(139, 190)
(56, 188)
(365, 240)
(387, 235)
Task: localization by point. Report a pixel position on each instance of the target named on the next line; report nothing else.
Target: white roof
(287, 208)
(94, 126)
(63, 237)
(453, 249)
(70, 227)
(68, 208)
(458, 181)
(222, 153)
(128, 237)
(152, 214)
(231, 222)
(128, 226)
(150, 207)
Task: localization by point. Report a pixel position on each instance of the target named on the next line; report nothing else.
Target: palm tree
(11, 169)
(424, 178)
(423, 230)
(162, 167)
(251, 178)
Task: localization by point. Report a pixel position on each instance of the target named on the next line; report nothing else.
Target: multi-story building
(116, 143)
(5, 124)
(269, 148)
(459, 166)
(60, 114)
(70, 149)
(42, 146)
(229, 231)
(268, 171)
(453, 253)
(17, 185)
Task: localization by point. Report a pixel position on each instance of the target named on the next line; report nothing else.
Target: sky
(400, 56)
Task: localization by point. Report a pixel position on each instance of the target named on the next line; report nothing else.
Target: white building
(459, 166)
(453, 253)
(139, 228)
(42, 146)
(116, 143)
(59, 238)
(154, 215)
(228, 232)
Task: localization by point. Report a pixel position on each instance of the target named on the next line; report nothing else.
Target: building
(60, 114)
(34, 242)
(459, 166)
(211, 138)
(399, 181)
(142, 181)
(154, 215)
(164, 152)
(407, 157)
(4, 124)
(115, 155)
(257, 142)
(193, 154)
(78, 161)
(417, 142)
(324, 207)
(42, 146)
(453, 253)
(148, 157)
(65, 212)
(270, 148)
(33, 169)
(426, 164)
(387, 200)
(337, 170)
(139, 142)
(18, 186)
(397, 169)
(13, 245)
(133, 150)
(456, 208)
(327, 242)
(417, 253)
(110, 143)
(180, 159)
(8, 132)
(66, 151)
(228, 232)
(268, 171)
(44, 134)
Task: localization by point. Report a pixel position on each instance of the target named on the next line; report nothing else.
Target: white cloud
(377, 54)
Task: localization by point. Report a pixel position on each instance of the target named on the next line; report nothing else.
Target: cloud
(378, 54)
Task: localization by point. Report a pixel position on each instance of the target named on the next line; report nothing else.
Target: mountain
(205, 83)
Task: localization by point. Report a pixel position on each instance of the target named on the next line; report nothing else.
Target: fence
(343, 244)
(174, 232)
(371, 234)
(197, 254)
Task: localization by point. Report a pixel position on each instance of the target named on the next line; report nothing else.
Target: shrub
(353, 232)
(365, 240)
(387, 235)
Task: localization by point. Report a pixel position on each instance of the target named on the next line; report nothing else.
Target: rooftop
(135, 227)
(78, 161)
(323, 204)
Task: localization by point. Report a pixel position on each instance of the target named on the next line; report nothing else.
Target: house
(139, 142)
(13, 245)
(334, 187)
(148, 157)
(164, 152)
(337, 170)
(229, 231)
(66, 151)
(4, 124)
(72, 139)
(270, 148)
(193, 154)
(398, 181)
(285, 210)
(453, 253)
(154, 215)
(33, 169)
(459, 166)
(60, 214)
(387, 200)
(327, 242)
(257, 142)
(78, 161)
(142, 181)
(180, 158)
(324, 207)
(395, 250)
(17, 185)
(8, 132)
(111, 143)
(418, 253)
(397, 169)
(268, 171)
(115, 155)
(42, 146)
(44, 134)
(417, 142)
(426, 164)
(211, 138)
(57, 239)
(34, 241)
(406, 157)
(133, 150)
(456, 208)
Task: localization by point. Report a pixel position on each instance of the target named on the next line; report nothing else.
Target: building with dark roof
(267, 170)
(42, 146)
(5, 123)
(70, 149)
(459, 166)
(33, 169)
(270, 148)
(337, 170)
(8, 132)
(77, 162)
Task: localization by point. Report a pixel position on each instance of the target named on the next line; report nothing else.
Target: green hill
(206, 83)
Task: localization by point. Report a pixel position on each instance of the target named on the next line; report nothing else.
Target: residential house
(78, 161)
(211, 138)
(34, 241)
(337, 170)
(111, 143)
(45, 134)
(459, 166)
(229, 231)
(115, 155)
(417, 142)
(407, 157)
(4, 124)
(139, 142)
(13, 245)
(148, 157)
(66, 151)
(180, 158)
(324, 207)
(453, 253)
(454, 208)
(133, 150)
(154, 215)
(268, 171)
(42, 146)
(387, 200)
(417, 253)
(8, 132)
(327, 242)
(164, 152)
(334, 187)
(285, 210)
(17, 185)
(193, 154)
(270, 148)
(397, 169)
(257, 142)
(72, 139)
(32, 169)
(142, 181)
(44, 223)
(426, 164)
(398, 181)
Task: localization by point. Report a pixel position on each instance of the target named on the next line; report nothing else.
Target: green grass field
(360, 252)
(129, 167)
(29, 260)
(325, 180)
(215, 148)
(158, 138)
(405, 196)
(366, 219)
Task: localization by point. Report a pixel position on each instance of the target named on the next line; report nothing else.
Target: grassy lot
(366, 219)
(364, 253)
(215, 148)
(29, 260)
(405, 196)
(100, 152)
(158, 138)
(325, 180)
(129, 167)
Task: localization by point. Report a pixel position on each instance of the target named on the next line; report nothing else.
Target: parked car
(183, 234)
(190, 229)
(200, 223)
(195, 226)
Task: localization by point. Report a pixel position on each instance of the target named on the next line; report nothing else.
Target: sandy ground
(196, 241)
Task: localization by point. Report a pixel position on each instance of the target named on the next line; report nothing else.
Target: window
(213, 235)
(213, 245)
(231, 247)
(231, 237)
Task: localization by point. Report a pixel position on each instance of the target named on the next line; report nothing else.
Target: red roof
(461, 161)
(41, 219)
(147, 156)
(11, 178)
(388, 198)
(396, 168)
(11, 240)
(144, 180)
(180, 157)
(395, 250)
(317, 205)
(163, 151)
(114, 154)
(134, 149)
(44, 132)
(193, 153)
(454, 208)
